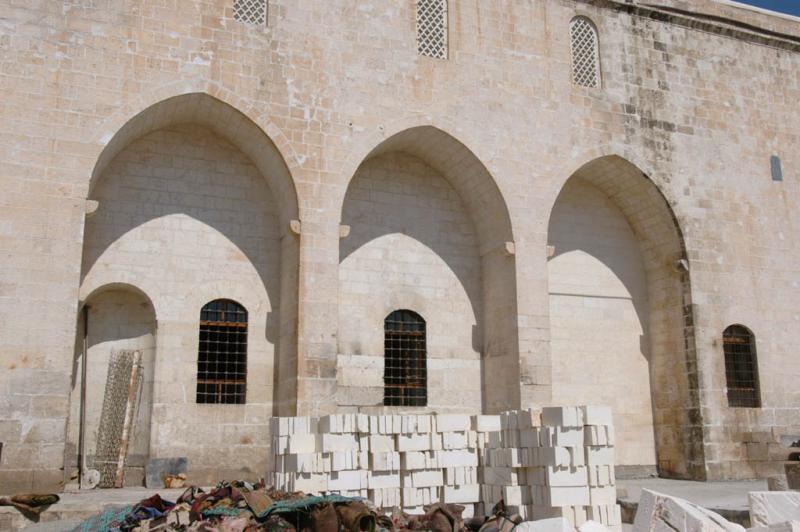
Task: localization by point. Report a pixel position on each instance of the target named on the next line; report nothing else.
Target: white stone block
(593, 526)
(657, 512)
(383, 479)
(337, 442)
(600, 455)
(486, 423)
(381, 443)
(558, 476)
(460, 476)
(454, 440)
(565, 496)
(456, 458)
(553, 524)
(773, 507)
(348, 480)
(530, 437)
(453, 423)
(423, 478)
(517, 495)
(561, 437)
(504, 476)
(302, 444)
(602, 496)
(384, 461)
(562, 416)
(597, 415)
(414, 442)
(462, 494)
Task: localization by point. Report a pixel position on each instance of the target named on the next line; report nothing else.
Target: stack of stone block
(559, 463)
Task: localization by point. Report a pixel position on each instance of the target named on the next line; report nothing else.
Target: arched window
(741, 367)
(585, 52)
(222, 356)
(432, 28)
(405, 374)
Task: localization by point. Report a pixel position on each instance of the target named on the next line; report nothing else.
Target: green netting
(305, 503)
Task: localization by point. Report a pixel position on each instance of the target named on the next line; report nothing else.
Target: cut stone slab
(789, 526)
(158, 467)
(593, 526)
(774, 507)
(658, 512)
(555, 524)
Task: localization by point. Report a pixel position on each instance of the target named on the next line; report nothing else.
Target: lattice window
(222, 356)
(432, 28)
(741, 367)
(405, 374)
(585, 53)
(250, 11)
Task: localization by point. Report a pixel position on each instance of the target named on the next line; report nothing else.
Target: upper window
(405, 373)
(432, 28)
(222, 356)
(250, 11)
(741, 367)
(585, 52)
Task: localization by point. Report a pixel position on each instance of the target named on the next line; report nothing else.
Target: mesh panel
(112, 416)
(741, 369)
(432, 28)
(405, 373)
(250, 11)
(585, 71)
(222, 355)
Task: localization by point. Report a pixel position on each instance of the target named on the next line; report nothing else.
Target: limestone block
(384, 461)
(456, 458)
(337, 442)
(462, 494)
(517, 495)
(415, 442)
(773, 507)
(788, 526)
(599, 455)
(553, 524)
(602, 496)
(566, 496)
(453, 423)
(597, 415)
(422, 478)
(593, 526)
(381, 443)
(383, 479)
(561, 437)
(557, 476)
(348, 480)
(460, 476)
(385, 498)
(658, 512)
(562, 416)
(505, 476)
(454, 440)
(486, 423)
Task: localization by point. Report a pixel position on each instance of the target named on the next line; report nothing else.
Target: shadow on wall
(191, 196)
(585, 221)
(398, 194)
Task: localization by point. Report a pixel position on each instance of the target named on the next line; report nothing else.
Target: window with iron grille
(585, 52)
(405, 373)
(222, 356)
(432, 28)
(741, 367)
(250, 11)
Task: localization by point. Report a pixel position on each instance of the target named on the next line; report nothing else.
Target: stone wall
(695, 98)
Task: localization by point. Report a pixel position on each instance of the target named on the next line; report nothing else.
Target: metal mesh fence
(405, 373)
(432, 28)
(112, 417)
(585, 53)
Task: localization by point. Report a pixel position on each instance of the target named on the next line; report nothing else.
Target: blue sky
(791, 7)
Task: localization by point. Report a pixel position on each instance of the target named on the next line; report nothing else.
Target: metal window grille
(405, 373)
(222, 356)
(585, 53)
(250, 11)
(741, 367)
(432, 28)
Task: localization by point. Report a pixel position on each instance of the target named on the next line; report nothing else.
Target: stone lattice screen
(585, 53)
(432, 28)
(250, 11)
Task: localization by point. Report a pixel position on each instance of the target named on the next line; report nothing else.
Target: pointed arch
(662, 308)
(476, 252)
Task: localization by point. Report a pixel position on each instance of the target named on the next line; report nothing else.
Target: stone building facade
(578, 208)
